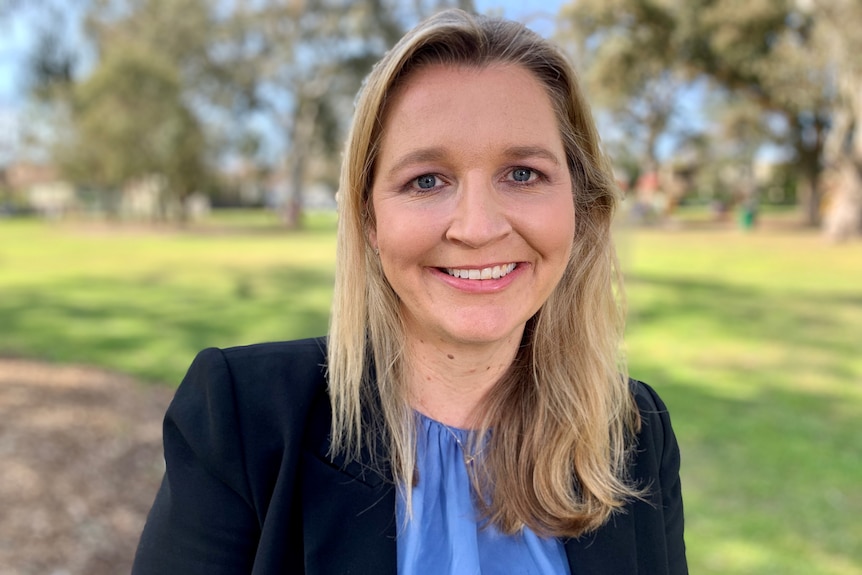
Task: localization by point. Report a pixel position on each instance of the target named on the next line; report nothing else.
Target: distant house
(42, 188)
(148, 198)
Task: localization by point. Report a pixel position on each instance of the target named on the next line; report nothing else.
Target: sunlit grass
(145, 300)
(753, 341)
(751, 338)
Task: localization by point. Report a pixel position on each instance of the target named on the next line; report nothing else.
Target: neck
(447, 382)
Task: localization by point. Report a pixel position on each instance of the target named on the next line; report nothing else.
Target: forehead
(464, 102)
(435, 84)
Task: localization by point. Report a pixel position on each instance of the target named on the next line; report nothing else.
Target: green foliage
(791, 60)
(177, 82)
(130, 120)
(131, 123)
(752, 340)
(626, 47)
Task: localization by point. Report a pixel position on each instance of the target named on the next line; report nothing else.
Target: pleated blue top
(444, 534)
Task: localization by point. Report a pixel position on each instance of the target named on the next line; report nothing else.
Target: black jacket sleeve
(671, 490)
(646, 537)
(203, 520)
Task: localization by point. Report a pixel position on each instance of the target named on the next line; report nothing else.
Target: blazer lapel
(348, 509)
(349, 522)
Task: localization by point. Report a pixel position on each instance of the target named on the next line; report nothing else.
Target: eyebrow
(423, 155)
(419, 156)
(521, 152)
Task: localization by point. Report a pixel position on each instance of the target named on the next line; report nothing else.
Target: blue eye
(426, 182)
(522, 174)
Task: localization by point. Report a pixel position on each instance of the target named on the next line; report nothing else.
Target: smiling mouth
(494, 273)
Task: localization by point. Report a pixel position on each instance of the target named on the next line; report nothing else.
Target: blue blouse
(444, 535)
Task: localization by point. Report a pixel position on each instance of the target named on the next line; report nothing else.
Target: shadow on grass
(772, 460)
(771, 482)
(809, 320)
(153, 328)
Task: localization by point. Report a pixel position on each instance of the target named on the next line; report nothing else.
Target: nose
(479, 217)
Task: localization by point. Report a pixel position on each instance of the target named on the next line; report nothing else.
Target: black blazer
(249, 487)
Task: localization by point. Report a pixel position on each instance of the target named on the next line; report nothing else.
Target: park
(751, 337)
(169, 182)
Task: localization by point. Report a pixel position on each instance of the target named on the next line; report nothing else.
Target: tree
(303, 63)
(726, 162)
(629, 68)
(132, 119)
(765, 51)
(51, 68)
(293, 66)
(762, 50)
(130, 123)
(838, 35)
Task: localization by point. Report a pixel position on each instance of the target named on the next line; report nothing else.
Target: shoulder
(298, 360)
(255, 387)
(657, 451)
(648, 401)
(655, 419)
(264, 366)
(248, 406)
(266, 380)
(272, 357)
(233, 441)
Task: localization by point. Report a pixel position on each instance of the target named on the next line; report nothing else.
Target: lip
(480, 286)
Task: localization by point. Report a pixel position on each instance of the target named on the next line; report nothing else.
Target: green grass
(754, 342)
(144, 301)
(752, 339)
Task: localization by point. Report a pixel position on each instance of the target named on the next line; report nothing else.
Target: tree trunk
(303, 127)
(809, 192)
(843, 156)
(843, 218)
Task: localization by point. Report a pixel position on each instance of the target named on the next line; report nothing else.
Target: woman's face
(473, 202)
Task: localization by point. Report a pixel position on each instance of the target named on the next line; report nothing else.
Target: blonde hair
(563, 417)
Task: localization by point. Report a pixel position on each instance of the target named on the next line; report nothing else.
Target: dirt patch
(80, 463)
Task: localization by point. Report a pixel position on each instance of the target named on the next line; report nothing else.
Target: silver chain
(468, 457)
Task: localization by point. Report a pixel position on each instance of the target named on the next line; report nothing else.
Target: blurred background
(168, 171)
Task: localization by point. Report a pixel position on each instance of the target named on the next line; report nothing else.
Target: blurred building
(39, 188)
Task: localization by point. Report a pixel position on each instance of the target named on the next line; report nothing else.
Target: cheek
(406, 230)
(558, 226)
(397, 241)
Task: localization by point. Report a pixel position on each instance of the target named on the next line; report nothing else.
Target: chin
(470, 336)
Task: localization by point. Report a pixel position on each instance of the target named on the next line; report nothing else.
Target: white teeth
(495, 272)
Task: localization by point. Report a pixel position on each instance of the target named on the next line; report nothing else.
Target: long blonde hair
(563, 417)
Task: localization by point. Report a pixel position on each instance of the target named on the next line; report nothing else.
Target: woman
(468, 412)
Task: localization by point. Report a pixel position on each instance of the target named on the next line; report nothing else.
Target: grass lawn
(752, 340)
(145, 300)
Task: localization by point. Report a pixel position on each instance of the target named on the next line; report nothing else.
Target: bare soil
(80, 463)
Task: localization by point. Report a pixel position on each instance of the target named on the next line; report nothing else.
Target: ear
(372, 238)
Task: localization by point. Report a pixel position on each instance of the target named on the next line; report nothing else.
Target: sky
(12, 52)
(16, 38)
(539, 19)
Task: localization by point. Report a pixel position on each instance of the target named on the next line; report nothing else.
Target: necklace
(469, 458)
